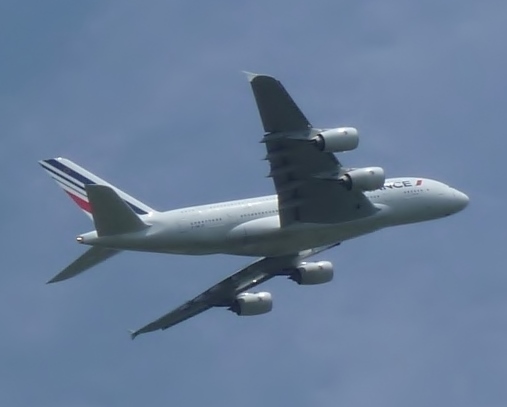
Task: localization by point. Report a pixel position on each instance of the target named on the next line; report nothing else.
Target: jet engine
(337, 140)
(252, 303)
(313, 273)
(364, 179)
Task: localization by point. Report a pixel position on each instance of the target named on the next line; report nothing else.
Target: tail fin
(87, 260)
(72, 179)
(111, 214)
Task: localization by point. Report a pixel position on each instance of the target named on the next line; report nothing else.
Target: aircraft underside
(318, 203)
(288, 243)
(271, 243)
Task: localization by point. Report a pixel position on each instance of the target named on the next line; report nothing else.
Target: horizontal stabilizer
(111, 214)
(90, 258)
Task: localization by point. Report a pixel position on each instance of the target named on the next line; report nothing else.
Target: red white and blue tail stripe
(72, 178)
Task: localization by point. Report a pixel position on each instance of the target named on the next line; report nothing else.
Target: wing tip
(55, 279)
(252, 75)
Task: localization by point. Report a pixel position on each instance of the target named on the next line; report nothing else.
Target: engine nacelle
(313, 273)
(364, 179)
(252, 304)
(337, 140)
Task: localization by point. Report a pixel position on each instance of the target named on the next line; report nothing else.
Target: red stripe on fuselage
(85, 206)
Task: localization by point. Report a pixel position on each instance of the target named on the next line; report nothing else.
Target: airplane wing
(304, 176)
(224, 293)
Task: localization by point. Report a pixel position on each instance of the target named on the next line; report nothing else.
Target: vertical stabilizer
(72, 179)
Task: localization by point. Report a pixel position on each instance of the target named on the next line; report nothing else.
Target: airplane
(319, 203)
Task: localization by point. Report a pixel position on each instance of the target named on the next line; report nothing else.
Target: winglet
(133, 334)
(250, 75)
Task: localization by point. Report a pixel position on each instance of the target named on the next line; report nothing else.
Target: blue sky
(151, 97)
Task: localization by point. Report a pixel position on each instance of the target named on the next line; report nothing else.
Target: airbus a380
(318, 204)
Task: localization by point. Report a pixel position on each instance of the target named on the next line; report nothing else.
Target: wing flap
(304, 194)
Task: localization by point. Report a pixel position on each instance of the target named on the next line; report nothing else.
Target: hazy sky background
(150, 96)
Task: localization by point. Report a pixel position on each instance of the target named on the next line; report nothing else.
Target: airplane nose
(461, 200)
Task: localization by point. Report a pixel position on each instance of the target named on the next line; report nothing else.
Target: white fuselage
(251, 227)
